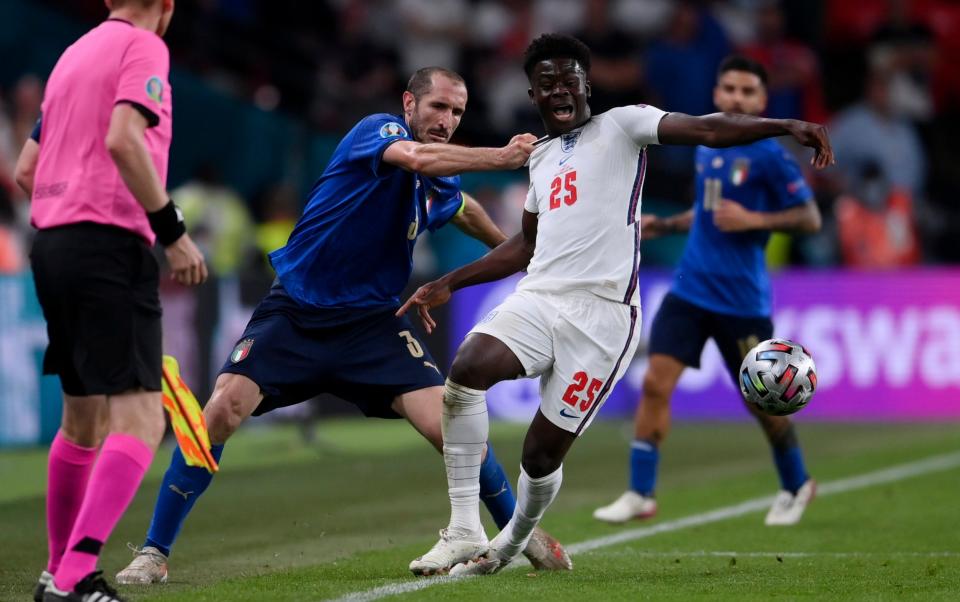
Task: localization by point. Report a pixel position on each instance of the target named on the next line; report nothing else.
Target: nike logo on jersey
(564, 160)
(563, 412)
(185, 494)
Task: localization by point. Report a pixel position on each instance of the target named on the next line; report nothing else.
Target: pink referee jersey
(76, 179)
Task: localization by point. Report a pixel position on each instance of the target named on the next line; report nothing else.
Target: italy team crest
(739, 172)
(241, 351)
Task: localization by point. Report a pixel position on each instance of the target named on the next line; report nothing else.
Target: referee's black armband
(35, 134)
(167, 224)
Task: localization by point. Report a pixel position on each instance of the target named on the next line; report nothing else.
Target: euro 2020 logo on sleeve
(392, 130)
(155, 89)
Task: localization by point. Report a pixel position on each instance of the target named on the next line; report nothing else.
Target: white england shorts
(580, 346)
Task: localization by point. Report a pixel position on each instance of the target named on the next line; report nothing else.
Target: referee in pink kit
(96, 168)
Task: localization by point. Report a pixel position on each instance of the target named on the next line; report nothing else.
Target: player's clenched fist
(429, 295)
(516, 152)
(186, 261)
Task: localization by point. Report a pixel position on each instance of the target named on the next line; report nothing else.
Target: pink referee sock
(123, 461)
(68, 471)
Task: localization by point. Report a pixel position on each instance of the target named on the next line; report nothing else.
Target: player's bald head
(422, 81)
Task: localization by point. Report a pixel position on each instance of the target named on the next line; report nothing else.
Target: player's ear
(588, 87)
(409, 102)
(533, 100)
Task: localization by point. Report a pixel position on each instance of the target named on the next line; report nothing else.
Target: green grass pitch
(345, 514)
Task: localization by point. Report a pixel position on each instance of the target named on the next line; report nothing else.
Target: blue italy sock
(790, 467)
(181, 487)
(495, 490)
(644, 457)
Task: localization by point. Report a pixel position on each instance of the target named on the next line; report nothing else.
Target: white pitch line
(735, 554)
(870, 479)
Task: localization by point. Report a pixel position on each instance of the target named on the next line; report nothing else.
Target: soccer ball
(778, 376)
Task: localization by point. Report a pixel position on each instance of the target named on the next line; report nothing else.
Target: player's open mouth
(563, 112)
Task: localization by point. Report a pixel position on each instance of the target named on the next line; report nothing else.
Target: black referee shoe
(92, 588)
(41, 587)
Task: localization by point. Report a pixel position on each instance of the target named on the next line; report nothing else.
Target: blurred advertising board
(886, 346)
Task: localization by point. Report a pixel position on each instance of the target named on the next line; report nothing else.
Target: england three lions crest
(568, 141)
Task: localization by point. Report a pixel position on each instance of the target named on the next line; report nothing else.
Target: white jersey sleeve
(531, 203)
(638, 122)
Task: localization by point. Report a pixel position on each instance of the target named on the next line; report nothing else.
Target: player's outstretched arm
(27, 166)
(441, 159)
(475, 222)
(731, 129)
(731, 216)
(652, 226)
(505, 260)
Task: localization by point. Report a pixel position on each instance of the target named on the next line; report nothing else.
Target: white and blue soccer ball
(779, 376)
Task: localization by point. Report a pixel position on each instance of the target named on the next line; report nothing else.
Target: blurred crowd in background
(880, 73)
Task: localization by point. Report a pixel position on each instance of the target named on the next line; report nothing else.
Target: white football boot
(545, 553)
(450, 551)
(148, 566)
(787, 508)
(487, 564)
(628, 506)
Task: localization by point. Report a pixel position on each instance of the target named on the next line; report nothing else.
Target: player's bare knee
(84, 435)
(479, 365)
(226, 411)
(655, 392)
(222, 418)
(655, 435)
(539, 463)
(153, 430)
(465, 372)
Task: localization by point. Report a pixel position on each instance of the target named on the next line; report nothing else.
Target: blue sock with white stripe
(644, 457)
(181, 487)
(495, 490)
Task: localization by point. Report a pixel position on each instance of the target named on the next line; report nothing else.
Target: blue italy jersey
(726, 272)
(353, 245)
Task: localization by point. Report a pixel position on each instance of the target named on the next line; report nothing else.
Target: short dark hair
(741, 63)
(141, 3)
(555, 46)
(421, 82)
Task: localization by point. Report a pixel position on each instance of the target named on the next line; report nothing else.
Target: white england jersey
(585, 189)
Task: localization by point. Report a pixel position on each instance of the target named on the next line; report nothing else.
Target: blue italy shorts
(366, 356)
(681, 329)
